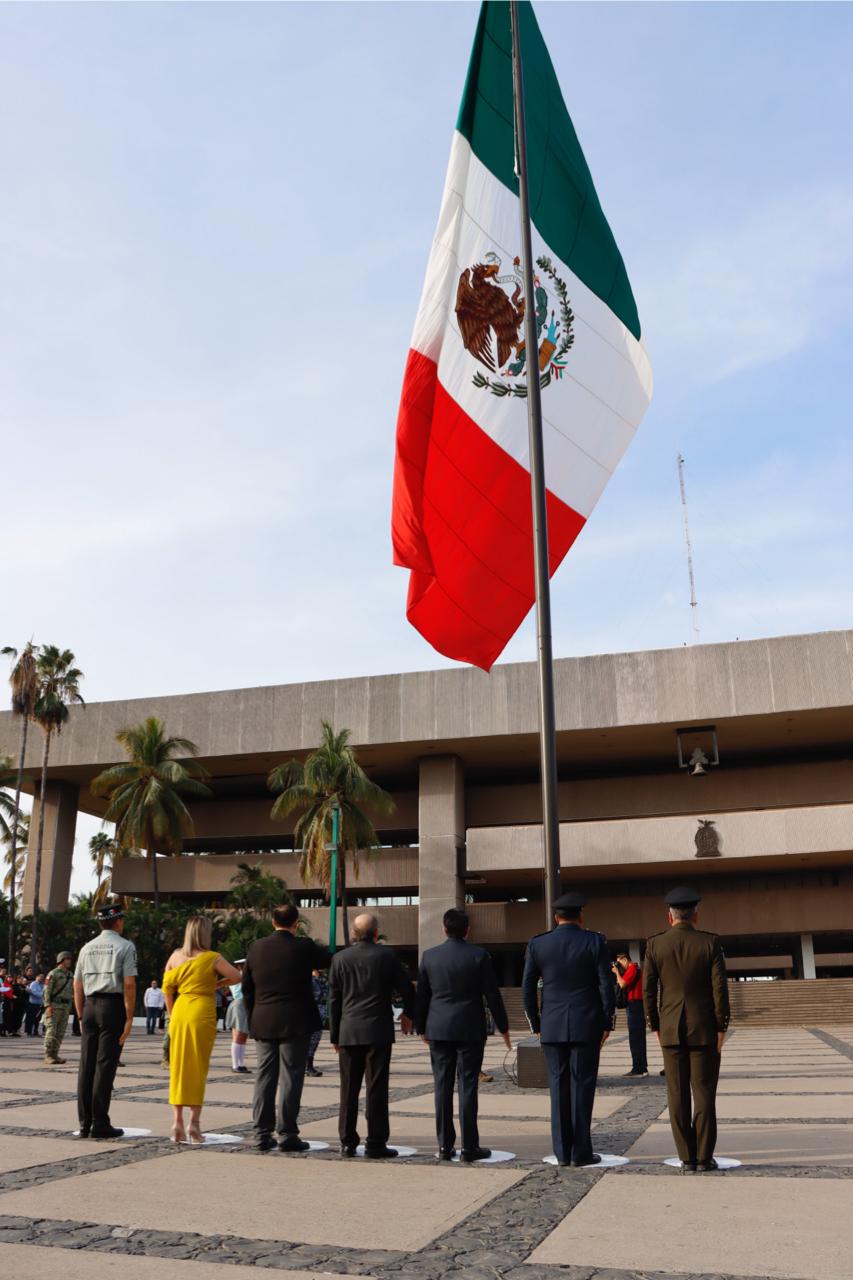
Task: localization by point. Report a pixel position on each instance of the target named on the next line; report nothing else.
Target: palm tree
(16, 868)
(24, 682)
(58, 687)
(257, 891)
(7, 804)
(330, 776)
(145, 794)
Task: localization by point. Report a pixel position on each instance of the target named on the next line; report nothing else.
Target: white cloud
(751, 289)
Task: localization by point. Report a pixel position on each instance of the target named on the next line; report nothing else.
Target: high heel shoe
(178, 1133)
(196, 1137)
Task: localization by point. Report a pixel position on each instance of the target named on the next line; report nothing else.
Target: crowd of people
(281, 997)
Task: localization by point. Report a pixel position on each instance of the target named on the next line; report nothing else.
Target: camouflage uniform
(59, 996)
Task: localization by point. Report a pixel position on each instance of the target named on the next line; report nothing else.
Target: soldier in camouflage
(58, 1002)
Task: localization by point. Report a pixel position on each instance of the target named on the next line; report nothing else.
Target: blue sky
(215, 224)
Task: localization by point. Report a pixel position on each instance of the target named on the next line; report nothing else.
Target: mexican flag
(462, 518)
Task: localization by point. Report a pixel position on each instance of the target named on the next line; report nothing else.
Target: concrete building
(458, 749)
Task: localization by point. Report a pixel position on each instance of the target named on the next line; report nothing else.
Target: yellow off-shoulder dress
(192, 1027)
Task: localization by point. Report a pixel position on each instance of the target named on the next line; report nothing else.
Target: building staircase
(820, 1002)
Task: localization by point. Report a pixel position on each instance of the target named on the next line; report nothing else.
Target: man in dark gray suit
(363, 980)
(576, 1017)
(454, 980)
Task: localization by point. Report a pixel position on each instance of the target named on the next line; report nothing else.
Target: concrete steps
(820, 1002)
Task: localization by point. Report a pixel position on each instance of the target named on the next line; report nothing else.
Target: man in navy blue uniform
(576, 1017)
(454, 980)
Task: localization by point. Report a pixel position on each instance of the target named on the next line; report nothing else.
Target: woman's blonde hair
(197, 935)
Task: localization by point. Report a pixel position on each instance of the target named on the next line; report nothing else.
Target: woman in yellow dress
(193, 974)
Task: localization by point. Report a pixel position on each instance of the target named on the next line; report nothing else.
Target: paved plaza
(121, 1208)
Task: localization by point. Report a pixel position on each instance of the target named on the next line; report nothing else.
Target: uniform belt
(105, 995)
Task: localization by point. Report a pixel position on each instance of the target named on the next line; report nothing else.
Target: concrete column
(441, 832)
(804, 965)
(634, 951)
(60, 821)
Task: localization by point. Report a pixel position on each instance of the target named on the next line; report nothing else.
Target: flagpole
(547, 729)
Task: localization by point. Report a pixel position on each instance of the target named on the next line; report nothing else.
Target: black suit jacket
(362, 981)
(277, 986)
(453, 980)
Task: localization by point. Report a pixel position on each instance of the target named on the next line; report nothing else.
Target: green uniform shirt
(59, 988)
(104, 963)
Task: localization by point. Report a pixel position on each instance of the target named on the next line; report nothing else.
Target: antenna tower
(694, 608)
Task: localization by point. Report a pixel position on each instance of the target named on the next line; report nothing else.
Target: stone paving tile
(786, 1107)
(280, 1199)
(740, 1226)
(534, 1105)
(18, 1152)
(61, 1117)
(788, 1084)
(767, 1144)
(39, 1262)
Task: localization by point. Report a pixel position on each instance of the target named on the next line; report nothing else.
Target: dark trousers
(281, 1070)
(32, 1019)
(370, 1063)
(456, 1061)
(152, 1017)
(637, 1035)
(572, 1075)
(693, 1070)
(100, 1029)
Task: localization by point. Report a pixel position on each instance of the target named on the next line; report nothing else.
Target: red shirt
(633, 979)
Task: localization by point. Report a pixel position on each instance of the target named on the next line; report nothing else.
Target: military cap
(112, 911)
(64, 955)
(683, 897)
(570, 902)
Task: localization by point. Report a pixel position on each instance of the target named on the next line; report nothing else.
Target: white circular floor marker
(723, 1162)
(214, 1140)
(126, 1133)
(317, 1146)
(497, 1157)
(606, 1162)
(403, 1153)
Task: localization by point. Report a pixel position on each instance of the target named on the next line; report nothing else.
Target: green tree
(330, 774)
(15, 872)
(256, 890)
(105, 851)
(25, 683)
(58, 688)
(8, 809)
(146, 795)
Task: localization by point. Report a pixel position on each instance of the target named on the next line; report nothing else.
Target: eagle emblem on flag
(490, 311)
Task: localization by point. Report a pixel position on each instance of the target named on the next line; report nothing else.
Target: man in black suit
(362, 982)
(454, 980)
(282, 1012)
(575, 1018)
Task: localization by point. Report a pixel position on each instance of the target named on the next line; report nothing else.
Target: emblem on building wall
(707, 840)
(490, 310)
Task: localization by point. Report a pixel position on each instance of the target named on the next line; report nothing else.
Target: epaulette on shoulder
(546, 934)
(660, 934)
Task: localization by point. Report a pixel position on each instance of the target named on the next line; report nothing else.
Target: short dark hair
(569, 913)
(456, 922)
(285, 916)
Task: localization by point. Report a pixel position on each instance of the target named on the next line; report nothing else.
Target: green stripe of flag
(563, 201)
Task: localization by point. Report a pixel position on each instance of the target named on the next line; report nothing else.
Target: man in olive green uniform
(686, 996)
(58, 1001)
(105, 997)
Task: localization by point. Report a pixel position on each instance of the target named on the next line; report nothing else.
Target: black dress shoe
(82, 1132)
(706, 1166)
(101, 1134)
(441, 1154)
(348, 1152)
(265, 1142)
(294, 1144)
(312, 1071)
(381, 1153)
(479, 1153)
(584, 1164)
(688, 1166)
